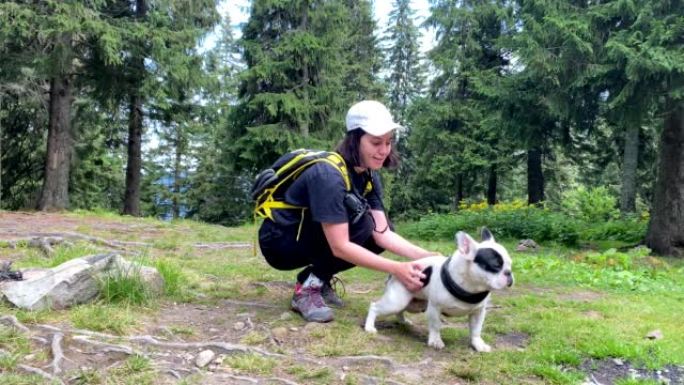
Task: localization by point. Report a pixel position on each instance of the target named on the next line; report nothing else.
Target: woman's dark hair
(349, 149)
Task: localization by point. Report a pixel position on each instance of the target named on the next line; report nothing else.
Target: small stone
(238, 326)
(204, 358)
(285, 316)
(279, 333)
(618, 362)
(294, 329)
(654, 335)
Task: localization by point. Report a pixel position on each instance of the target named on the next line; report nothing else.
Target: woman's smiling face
(374, 150)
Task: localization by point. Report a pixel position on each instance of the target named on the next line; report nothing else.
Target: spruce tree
(404, 60)
(54, 39)
(307, 62)
(465, 127)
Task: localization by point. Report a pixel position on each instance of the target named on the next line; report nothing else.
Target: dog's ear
(486, 235)
(466, 245)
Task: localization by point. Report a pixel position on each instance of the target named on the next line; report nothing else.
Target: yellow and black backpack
(270, 185)
(268, 190)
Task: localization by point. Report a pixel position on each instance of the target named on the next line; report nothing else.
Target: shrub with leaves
(590, 205)
(505, 220)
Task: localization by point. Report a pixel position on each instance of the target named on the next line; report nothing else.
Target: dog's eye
(489, 260)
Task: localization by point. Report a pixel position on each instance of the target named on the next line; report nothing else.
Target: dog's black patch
(489, 260)
(428, 273)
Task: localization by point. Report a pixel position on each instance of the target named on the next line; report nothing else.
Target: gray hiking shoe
(329, 292)
(308, 302)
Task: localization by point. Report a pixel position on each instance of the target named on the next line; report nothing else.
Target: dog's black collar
(457, 291)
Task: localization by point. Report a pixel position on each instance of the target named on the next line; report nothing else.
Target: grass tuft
(125, 286)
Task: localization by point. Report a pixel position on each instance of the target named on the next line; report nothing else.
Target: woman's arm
(337, 235)
(389, 240)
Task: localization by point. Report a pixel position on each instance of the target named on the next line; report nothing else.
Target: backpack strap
(264, 209)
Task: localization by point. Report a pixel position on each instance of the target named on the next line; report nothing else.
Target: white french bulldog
(457, 285)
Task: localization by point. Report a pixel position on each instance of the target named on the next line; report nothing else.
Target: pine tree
(54, 38)
(404, 60)
(217, 191)
(464, 131)
(307, 61)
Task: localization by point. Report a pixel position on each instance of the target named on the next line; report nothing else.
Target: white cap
(372, 117)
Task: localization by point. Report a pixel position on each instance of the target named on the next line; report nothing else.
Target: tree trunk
(665, 234)
(177, 174)
(629, 169)
(459, 191)
(135, 129)
(535, 177)
(491, 186)
(304, 26)
(134, 165)
(55, 192)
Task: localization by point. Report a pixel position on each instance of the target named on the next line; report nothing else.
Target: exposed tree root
(46, 241)
(11, 320)
(103, 347)
(103, 343)
(57, 353)
(42, 373)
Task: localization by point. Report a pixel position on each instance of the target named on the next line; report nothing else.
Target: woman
(330, 237)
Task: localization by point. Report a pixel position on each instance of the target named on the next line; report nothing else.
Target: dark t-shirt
(321, 189)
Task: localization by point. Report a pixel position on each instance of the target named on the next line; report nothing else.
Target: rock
(204, 358)
(238, 326)
(73, 282)
(279, 333)
(526, 245)
(285, 316)
(654, 335)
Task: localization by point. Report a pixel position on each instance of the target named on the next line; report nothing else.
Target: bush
(594, 205)
(506, 220)
(629, 230)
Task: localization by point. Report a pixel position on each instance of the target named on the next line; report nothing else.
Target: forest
(123, 106)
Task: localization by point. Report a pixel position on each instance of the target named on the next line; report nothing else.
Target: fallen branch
(223, 245)
(46, 375)
(43, 240)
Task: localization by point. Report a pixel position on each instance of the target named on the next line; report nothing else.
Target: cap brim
(380, 131)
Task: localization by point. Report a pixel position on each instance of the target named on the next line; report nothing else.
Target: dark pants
(283, 251)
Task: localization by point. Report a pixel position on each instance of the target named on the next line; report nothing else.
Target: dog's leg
(434, 326)
(395, 300)
(476, 320)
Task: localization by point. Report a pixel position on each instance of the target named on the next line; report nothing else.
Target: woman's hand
(410, 274)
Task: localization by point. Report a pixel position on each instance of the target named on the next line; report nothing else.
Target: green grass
(125, 286)
(569, 306)
(251, 363)
(117, 319)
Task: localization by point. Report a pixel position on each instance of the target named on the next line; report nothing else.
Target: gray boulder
(73, 282)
